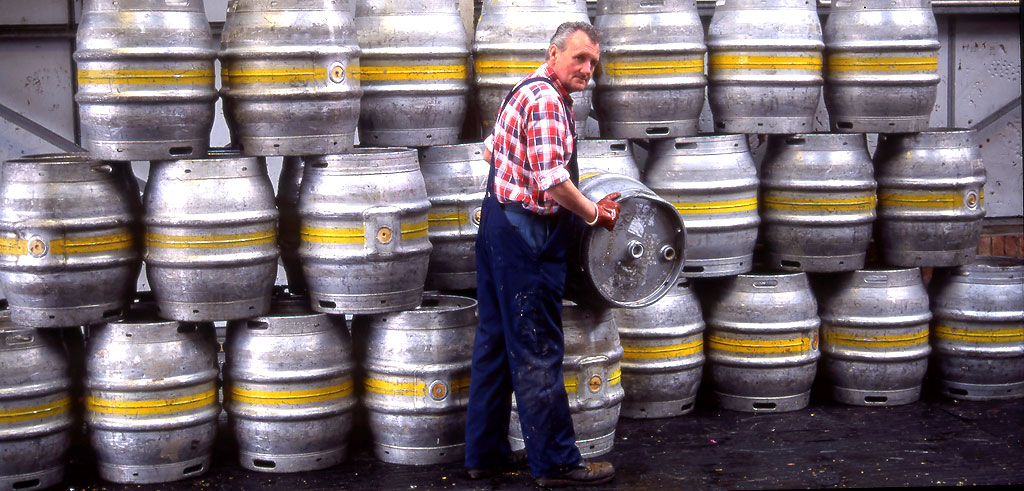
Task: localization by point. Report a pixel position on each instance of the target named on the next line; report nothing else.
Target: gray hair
(567, 29)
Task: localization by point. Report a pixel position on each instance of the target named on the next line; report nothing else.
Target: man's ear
(552, 50)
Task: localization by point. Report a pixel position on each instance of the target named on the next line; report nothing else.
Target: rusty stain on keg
(37, 247)
(595, 383)
(972, 199)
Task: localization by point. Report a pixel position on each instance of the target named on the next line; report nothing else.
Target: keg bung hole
(846, 125)
(768, 406)
(635, 249)
(668, 253)
(192, 469)
(264, 464)
(29, 484)
(657, 130)
(180, 150)
(875, 399)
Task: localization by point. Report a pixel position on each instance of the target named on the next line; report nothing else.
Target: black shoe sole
(556, 482)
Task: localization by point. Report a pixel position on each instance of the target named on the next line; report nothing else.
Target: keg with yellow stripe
(68, 228)
(874, 335)
(606, 156)
(762, 342)
(363, 231)
(289, 390)
(145, 79)
(978, 329)
(712, 183)
(663, 354)
(414, 71)
(817, 202)
(455, 178)
(592, 369)
(651, 83)
(289, 185)
(151, 398)
(881, 65)
(415, 369)
(211, 237)
(35, 407)
(764, 66)
(290, 76)
(930, 197)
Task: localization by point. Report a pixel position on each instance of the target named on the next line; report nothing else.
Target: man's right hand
(608, 211)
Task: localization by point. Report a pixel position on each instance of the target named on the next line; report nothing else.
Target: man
(525, 231)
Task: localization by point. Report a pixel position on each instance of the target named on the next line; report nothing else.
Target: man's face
(574, 65)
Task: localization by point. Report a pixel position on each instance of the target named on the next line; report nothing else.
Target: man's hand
(608, 211)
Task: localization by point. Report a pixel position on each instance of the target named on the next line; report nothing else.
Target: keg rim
(64, 158)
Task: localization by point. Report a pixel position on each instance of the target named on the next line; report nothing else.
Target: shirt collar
(546, 71)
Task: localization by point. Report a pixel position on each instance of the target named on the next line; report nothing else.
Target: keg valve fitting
(635, 248)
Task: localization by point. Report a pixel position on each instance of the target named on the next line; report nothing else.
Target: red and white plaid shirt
(532, 144)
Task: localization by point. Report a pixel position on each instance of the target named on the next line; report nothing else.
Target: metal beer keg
(606, 156)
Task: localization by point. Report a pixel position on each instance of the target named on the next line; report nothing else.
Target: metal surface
(817, 202)
(211, 237)
(290, 76)
(978, 329)
(67, 242)
(651, 83)
(38, 130)
(874, 335)
(762, 342)
(364, 246)
(289, 388)
(416, 368)
(606, 156)
(764, 66)
(930, 197)
(414, 72)
(455, 177)
(663, 359)
(151, 398)
(592, 373)
(289, 185)
(712, 183)
(145, 79)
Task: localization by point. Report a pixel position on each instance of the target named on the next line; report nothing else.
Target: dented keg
(762, 342)
(151, 398)
(764, 65)
(455, 177)
(978, 329)
(930, 197)
(606, 156)
(364, 246)
(817, 202)
(874, 335)
(289, 388)
(414, 72)
(881, 65)
(289, 185)
(211, 237)
(592, 372)
(663, 358)
(638, 261)
(145, 79)
(416, 368)
(67, 244)
(712, 183)
(290, 76)
(35, 407)
(651, 83)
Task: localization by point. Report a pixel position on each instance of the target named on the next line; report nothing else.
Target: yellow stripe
(644, 68)
(277, 75)
(731, 206)
(332, 235)
(760, 346)
(744, 62)
(412, 72)
(506, 66)
(447, 219)
(615, 377)
(154, 406)
(145, 77)
(1011, 335)
(274, 397)
(39, 411)
(211, 241)
(882, 64)
(395, 388)
(859, 203)
(933, 200)
(659, 352)
(81, 245)
(460, 385)
(865, 340)
(570, 384)
(412, 231)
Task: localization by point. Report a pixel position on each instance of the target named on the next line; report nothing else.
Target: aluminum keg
(289, 388)
(874, 335)
(35, 407)
(764, 66)
(651, 83)
(637, 262)
(289, 185)
(817, 202)
(67, 244)
(762, 342)
(978, 329)
(211, 237)
(663, 358)
(455, 177)
(363, 238)
(592, 373)
(151, 398)
(415, 384)
(930, 197)
(606, 156)
(414, 72)
(290, 76)
(145, 79)
(881, 65)
(712, 183)
(511, 41)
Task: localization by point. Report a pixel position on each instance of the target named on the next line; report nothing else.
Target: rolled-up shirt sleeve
(548, 139)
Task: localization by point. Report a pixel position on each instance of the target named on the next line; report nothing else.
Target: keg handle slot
(685, 145)
(766, 284)
(878, 278)
(16, 339)
(657, 130)
(618, 146)
(102, 169)
(257, 325)
(795, 141)
(652, 3)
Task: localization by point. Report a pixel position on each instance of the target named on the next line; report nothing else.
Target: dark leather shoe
(588, 474)
(515, 461)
